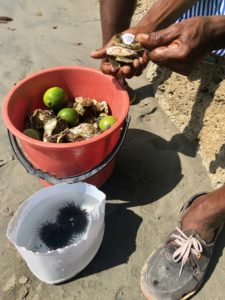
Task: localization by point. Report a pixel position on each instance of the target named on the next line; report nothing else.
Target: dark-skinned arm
(182, 45)
(160, 15)
(115, 16)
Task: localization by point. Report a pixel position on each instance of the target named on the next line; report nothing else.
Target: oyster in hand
(124, 50)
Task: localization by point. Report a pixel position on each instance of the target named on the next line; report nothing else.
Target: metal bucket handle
(70, 179)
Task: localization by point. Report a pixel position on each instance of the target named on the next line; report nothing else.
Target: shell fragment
(120, 51)
(127, 38)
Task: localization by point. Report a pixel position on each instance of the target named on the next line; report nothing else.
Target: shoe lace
(187, 245)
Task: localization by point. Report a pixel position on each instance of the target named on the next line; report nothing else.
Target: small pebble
(23, 279)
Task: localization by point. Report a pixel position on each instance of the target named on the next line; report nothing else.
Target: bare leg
(206, 214)
(116, 16)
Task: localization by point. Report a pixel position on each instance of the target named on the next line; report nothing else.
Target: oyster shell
(120, 51)
(64, 136)
(124, 60)
(84, 131)
(118, 40)
(38, 118)
(124, 50)
(78, 133)
(81, 105)
(53, 127)
(127, 38)
(89, 109)
(102, 106)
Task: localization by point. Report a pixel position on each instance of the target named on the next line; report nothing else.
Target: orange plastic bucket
(91, 160)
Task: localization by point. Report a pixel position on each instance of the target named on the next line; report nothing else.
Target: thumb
(158, 38)
(163, 54)
(99, 53)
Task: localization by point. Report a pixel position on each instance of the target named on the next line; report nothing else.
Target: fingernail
(174, 44)
(143, 36)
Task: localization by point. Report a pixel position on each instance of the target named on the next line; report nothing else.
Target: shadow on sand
(146, 170)
(148, 167)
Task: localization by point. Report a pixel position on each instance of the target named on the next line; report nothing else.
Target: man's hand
(126, 71)
(181, 45)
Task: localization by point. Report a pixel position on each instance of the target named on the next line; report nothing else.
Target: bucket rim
(18, 134)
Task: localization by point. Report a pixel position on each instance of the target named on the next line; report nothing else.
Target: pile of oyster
(124, 50)
(55, 130)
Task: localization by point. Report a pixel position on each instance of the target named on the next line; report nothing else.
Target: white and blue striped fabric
(206, 8)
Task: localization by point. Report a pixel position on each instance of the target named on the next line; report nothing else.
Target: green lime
(69, 115)
(106, 122)
(32, 133)
(55, 98)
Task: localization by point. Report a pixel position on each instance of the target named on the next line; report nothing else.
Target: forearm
(115, 16)
(164, 13)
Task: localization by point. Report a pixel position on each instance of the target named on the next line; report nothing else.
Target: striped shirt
(206, 8)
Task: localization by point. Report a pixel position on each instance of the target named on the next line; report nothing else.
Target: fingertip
(136, 63)
(106, 68)
(141, 60)
(99, 53)
(146, 57)
(126, 70)
(114, 70)
(93, 53)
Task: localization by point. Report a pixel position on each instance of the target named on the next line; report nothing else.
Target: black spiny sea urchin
(71, 223)
(54, 236)
(73, 217)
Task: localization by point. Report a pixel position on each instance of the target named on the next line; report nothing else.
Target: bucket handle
(69, 179)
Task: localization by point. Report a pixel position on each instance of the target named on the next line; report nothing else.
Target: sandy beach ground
(154, 174)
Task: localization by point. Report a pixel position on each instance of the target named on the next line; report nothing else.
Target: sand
(152, 178)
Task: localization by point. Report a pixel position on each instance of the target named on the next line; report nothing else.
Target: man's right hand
(182, 45)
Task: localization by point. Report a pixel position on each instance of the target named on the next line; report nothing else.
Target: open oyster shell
(84, 130)
(78, 133)
(53, 127)
(124, 50)
(120, 51)
(89, 109)
(127, 38)
(38, 118)
(121, 40)
(62, 137)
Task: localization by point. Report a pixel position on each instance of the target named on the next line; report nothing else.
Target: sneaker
(176, 269)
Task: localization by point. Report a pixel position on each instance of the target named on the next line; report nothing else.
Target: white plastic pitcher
(56, 266)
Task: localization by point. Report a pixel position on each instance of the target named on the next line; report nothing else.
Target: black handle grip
(70, 179)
